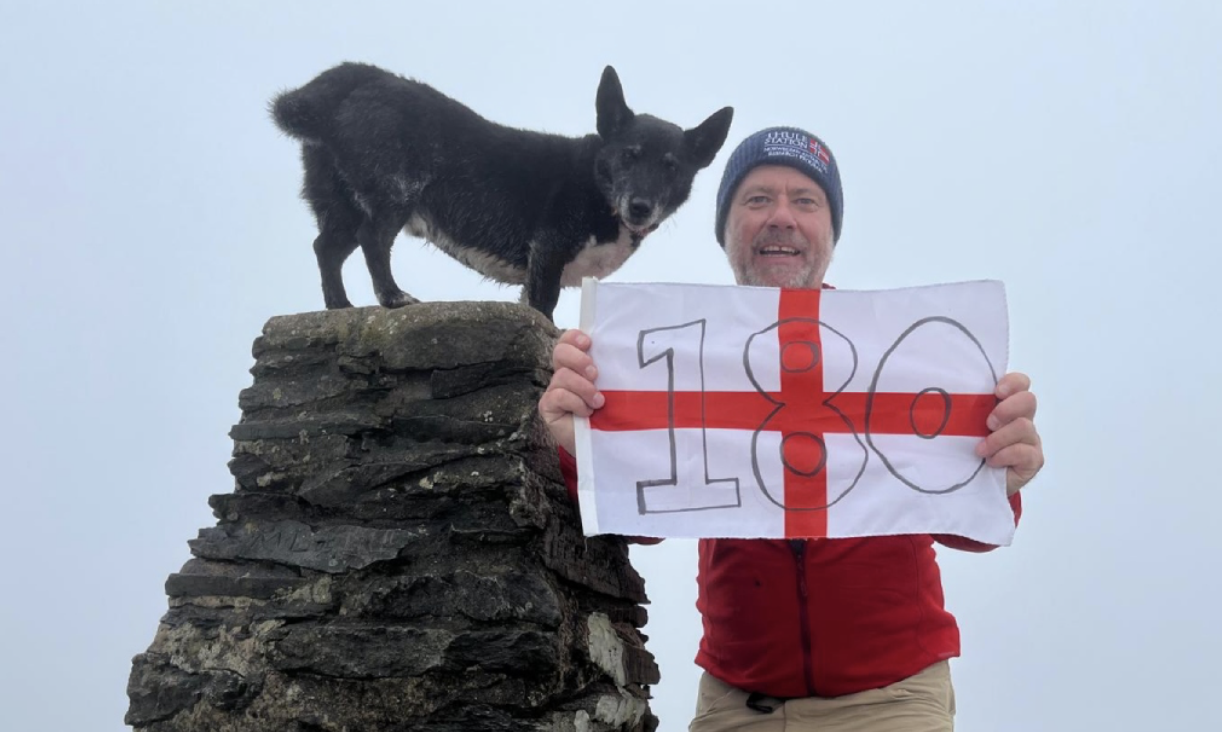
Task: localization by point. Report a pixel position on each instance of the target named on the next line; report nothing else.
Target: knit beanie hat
(782, 146)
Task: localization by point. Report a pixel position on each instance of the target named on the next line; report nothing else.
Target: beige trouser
(924, 702)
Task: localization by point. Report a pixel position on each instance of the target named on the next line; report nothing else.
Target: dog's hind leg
(376, 237)
(331, 249)
(338, 217)
(337, 239)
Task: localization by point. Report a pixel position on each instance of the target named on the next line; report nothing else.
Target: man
(840, 634)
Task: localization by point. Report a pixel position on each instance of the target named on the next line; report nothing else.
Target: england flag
(767, 413)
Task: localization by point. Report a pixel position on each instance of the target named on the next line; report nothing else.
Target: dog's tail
(306, 113)
(296, 116)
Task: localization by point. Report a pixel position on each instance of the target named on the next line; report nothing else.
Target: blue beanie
(782, 146)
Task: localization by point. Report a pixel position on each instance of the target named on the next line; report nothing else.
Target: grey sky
(150, 225)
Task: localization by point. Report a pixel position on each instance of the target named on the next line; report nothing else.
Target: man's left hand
(1013, 444)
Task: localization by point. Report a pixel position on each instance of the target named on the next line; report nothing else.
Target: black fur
(383, 153)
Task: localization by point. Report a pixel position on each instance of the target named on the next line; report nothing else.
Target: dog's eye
(670, 162)
(631, 153)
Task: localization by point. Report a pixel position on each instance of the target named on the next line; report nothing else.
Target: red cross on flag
(758, 412)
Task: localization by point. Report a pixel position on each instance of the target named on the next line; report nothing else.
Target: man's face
(779, 229)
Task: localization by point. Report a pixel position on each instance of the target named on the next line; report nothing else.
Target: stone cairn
(398, 552)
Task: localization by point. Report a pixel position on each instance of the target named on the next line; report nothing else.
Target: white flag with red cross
(758, 412)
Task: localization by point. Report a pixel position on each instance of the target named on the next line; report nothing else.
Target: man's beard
(797, 279)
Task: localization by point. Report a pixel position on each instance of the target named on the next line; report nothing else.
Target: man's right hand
(571, 390)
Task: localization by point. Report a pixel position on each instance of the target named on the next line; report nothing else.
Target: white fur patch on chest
(489, 265)
(594, 260)
(599, 260)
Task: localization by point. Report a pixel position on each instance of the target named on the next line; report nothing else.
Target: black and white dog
(383, 153)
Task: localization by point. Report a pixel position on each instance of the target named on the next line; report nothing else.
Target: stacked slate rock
(398, 552)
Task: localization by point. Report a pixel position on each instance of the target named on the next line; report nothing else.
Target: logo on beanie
(797, 145)
(820, 151)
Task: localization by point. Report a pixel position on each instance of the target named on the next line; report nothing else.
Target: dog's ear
(613, 112)
(704, 141)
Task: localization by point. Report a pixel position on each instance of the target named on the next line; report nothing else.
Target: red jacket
(821, 617)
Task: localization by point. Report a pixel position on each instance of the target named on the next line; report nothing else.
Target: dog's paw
(396, 300)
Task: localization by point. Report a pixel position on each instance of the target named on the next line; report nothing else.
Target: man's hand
(1014, 443)
(571, 390)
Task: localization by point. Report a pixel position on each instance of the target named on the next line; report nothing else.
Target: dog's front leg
(542, 288)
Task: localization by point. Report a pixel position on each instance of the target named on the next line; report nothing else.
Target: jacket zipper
(799, 554)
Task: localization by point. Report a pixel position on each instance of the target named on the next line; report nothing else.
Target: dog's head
(646, 165)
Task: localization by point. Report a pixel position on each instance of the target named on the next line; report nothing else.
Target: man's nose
(782, 216)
